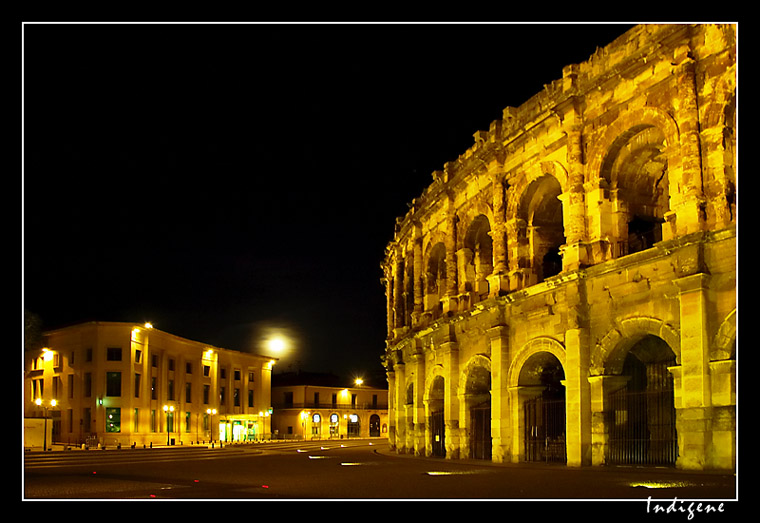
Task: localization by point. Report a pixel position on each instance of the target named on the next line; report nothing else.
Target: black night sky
(219, 179)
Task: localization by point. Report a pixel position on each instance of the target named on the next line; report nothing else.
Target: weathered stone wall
(598, 214)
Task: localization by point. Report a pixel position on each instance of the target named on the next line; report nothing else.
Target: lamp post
(168, 409)
(38, 402)
(211, 413)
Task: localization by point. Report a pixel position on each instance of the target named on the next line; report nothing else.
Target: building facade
(124, 384)
(566, 289)
(316, 412)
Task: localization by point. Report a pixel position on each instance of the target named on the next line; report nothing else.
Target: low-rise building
(113, 383)
(308, 406)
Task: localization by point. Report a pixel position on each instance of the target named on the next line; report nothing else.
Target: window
(71, 360)
(88, 355)
(316, 399)
(154, 360)
(137, 385)
(221, 395)
(153, 388)
(171, 364)
(153, 426)
(223, 373)
(187, 422)
(71, 386)
(251, 375)
(138, 356)
(113, 383)
(188, 368)
(86, 419)
(113, 420)
(136, 421)
(237, 397)
(170, 391)
(250, 397)
(206, 393)
(87, 384)
(188, 392)
(207, 370)
(113, 354)
(237, 374)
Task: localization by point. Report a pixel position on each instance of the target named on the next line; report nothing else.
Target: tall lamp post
(168, 409)
(38, 402)
(211, 413)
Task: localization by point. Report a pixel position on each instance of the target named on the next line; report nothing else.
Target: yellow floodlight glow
(38, 402)
(358, 382)
(47, 354)
(148, 325)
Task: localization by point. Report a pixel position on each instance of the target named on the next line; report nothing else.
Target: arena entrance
(478, 402)
(642, 415)
(544, 412)
(436, 420)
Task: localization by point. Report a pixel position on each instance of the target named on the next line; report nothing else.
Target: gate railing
(642, 428)
(544, 430)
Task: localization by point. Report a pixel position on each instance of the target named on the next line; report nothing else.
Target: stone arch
(530, 349)
(469, 380)
(436, 372)
(539, 222)
(475, 256)
(637, 162)
(609, 354)
(724, 342)
(644, 117)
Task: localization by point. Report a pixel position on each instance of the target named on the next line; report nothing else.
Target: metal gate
(480, 437)
(642, 427)
(544, 430)
(437, 434)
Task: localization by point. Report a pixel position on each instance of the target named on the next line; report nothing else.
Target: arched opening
(641, 417)
(436, 420)
(478, 247)
(544, 416)
(374, 426)
(541, 210)
(636, 169)
(435, 276)
(478, 402)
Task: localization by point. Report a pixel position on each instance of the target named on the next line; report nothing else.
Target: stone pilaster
(694, 399)
(501, 435)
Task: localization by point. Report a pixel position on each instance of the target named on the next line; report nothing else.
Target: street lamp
(211, 413)
(38, 402)
(168, 409)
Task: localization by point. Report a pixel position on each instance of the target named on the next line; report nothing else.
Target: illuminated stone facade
(581, 253)
(111, 381)
(323, 412)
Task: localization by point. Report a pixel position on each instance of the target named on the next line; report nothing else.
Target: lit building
(123, 384)
(307, 406)
(566, 289)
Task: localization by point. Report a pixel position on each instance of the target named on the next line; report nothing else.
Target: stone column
(418, 414)
(574, 254)
(450, 300)
(450, 350)
(694, 410)
(577, 397)
(600, 388)
(398, 291)
(418, 275)
(498, 280)
(398, 406)
(501, 436)
(392, 410)
(687, 198)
